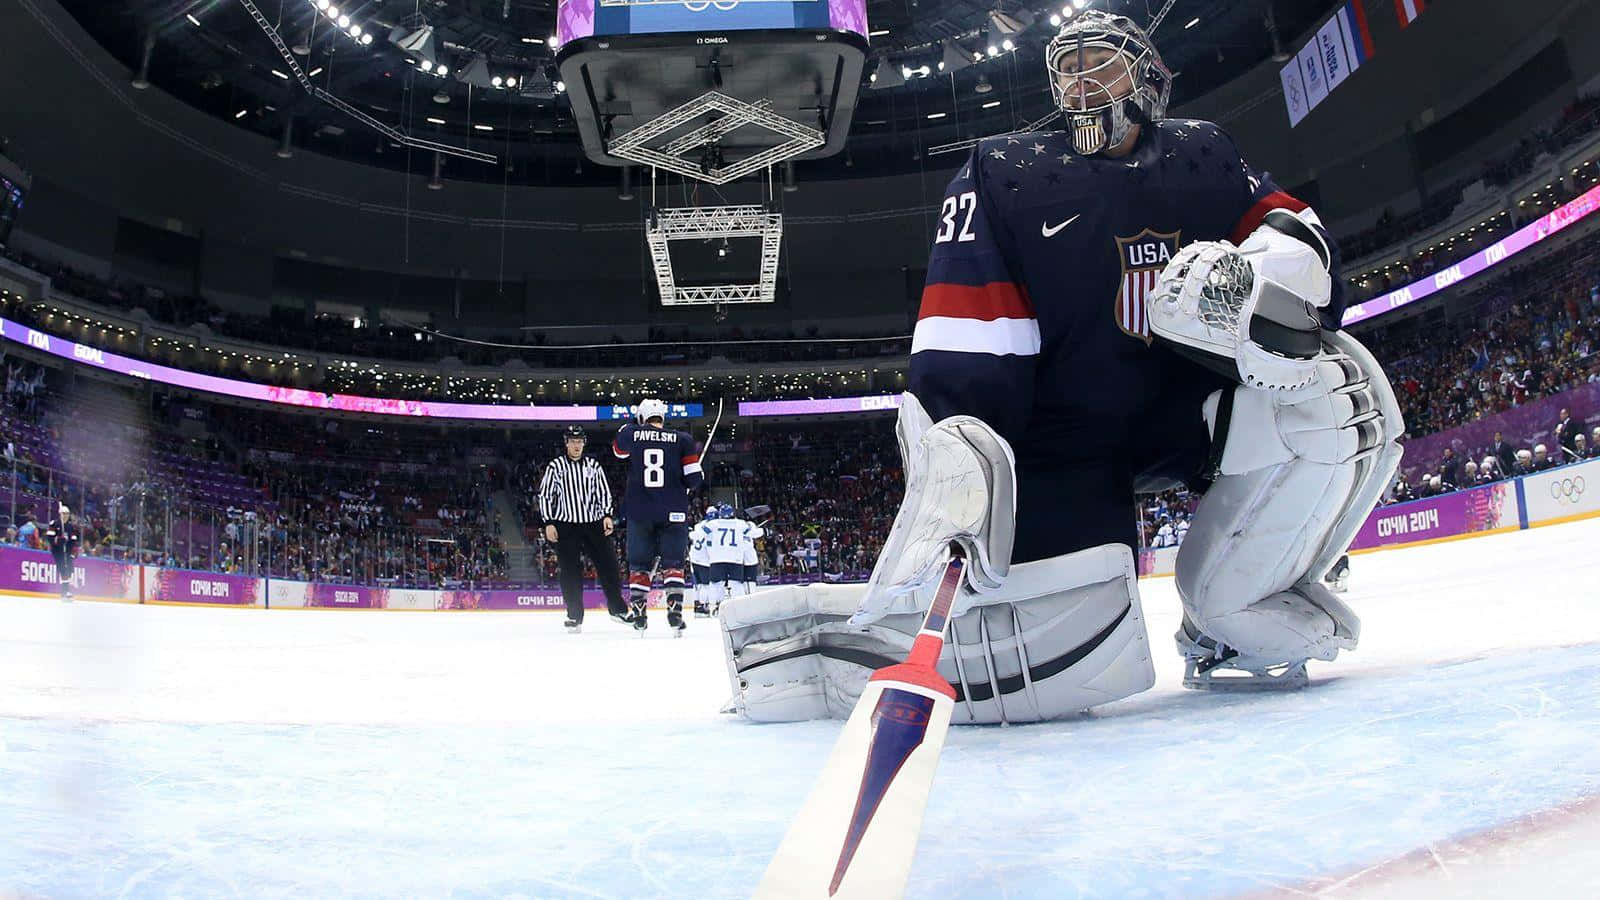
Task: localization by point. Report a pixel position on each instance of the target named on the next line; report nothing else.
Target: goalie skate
(1338, 578)
(1210, 666)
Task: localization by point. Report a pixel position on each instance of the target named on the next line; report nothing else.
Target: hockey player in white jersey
(725, 554)
(1129, 303)
(752, 559)
(700, 563)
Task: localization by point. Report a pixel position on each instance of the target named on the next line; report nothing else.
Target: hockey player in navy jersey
(1118, 306)
(663, 467)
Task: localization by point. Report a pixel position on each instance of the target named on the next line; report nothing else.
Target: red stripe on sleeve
(691, 459)
(617, 451)
(995, 300)
(1252, 218)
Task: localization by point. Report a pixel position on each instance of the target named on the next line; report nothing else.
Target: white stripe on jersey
(998, 337)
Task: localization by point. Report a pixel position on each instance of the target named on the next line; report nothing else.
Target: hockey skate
(637, 618)
(1338, 577)
(572, 627)
(1211, 666)
(675, 616)
(702, 609)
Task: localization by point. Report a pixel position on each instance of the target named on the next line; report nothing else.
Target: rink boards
(34, 572)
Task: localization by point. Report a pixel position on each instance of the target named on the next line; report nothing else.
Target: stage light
(355, 31)
(511, 82)
(993, 51)
(366, 39)
(344, 21)
(426, 65)
(497, 81)
(331, 12)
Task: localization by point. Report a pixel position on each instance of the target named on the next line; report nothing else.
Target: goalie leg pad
(1060, 636)
(1298, 473)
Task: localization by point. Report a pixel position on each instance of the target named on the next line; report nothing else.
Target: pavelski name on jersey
(664, 437)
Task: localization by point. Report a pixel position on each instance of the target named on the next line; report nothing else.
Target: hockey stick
(856, 835)
(712, 434)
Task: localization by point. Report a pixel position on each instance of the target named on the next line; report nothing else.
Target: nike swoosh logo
(1047, 231)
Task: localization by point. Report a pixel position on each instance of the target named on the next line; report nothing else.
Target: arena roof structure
(482, 75)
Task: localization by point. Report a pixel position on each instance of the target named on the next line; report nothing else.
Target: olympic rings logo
(703, 5)
(1568, 490)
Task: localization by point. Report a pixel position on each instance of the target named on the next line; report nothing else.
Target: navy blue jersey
(663, 466)
(1033, 316)
(62, 537)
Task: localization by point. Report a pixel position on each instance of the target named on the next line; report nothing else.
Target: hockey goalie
(1118, 306)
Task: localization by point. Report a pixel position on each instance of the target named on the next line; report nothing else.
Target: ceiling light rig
(398, 137)
(350, 28)
(995, 39)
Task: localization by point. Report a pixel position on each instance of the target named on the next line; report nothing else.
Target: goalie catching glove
(1253, 306)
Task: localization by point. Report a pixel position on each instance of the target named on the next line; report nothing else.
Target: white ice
(159, 751)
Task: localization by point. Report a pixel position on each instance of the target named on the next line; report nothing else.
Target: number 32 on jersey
(961, 207)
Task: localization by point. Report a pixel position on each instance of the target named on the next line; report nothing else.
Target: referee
(575, 503)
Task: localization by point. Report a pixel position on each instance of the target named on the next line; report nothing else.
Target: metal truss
(637, 145)
(955, 146)
(390, 132)
(711, 223)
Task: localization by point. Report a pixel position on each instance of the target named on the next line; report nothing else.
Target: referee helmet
(573, 432)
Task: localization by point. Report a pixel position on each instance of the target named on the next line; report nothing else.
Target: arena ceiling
(213, 55)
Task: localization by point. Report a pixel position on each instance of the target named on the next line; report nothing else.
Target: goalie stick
(856, 835)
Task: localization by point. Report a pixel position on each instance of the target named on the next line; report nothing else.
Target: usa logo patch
(1142, 256)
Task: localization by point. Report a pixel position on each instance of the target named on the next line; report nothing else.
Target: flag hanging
(1357, 37)
(1408, 10)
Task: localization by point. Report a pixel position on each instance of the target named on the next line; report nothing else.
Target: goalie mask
(1106, 77)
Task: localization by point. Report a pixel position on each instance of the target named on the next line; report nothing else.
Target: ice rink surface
(158, 751)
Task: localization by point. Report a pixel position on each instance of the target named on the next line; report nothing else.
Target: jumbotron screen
(595, 18)
(10, 206)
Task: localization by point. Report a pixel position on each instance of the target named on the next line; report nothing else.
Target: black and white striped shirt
(574, 491)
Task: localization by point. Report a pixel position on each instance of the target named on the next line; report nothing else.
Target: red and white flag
(1408, 10)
